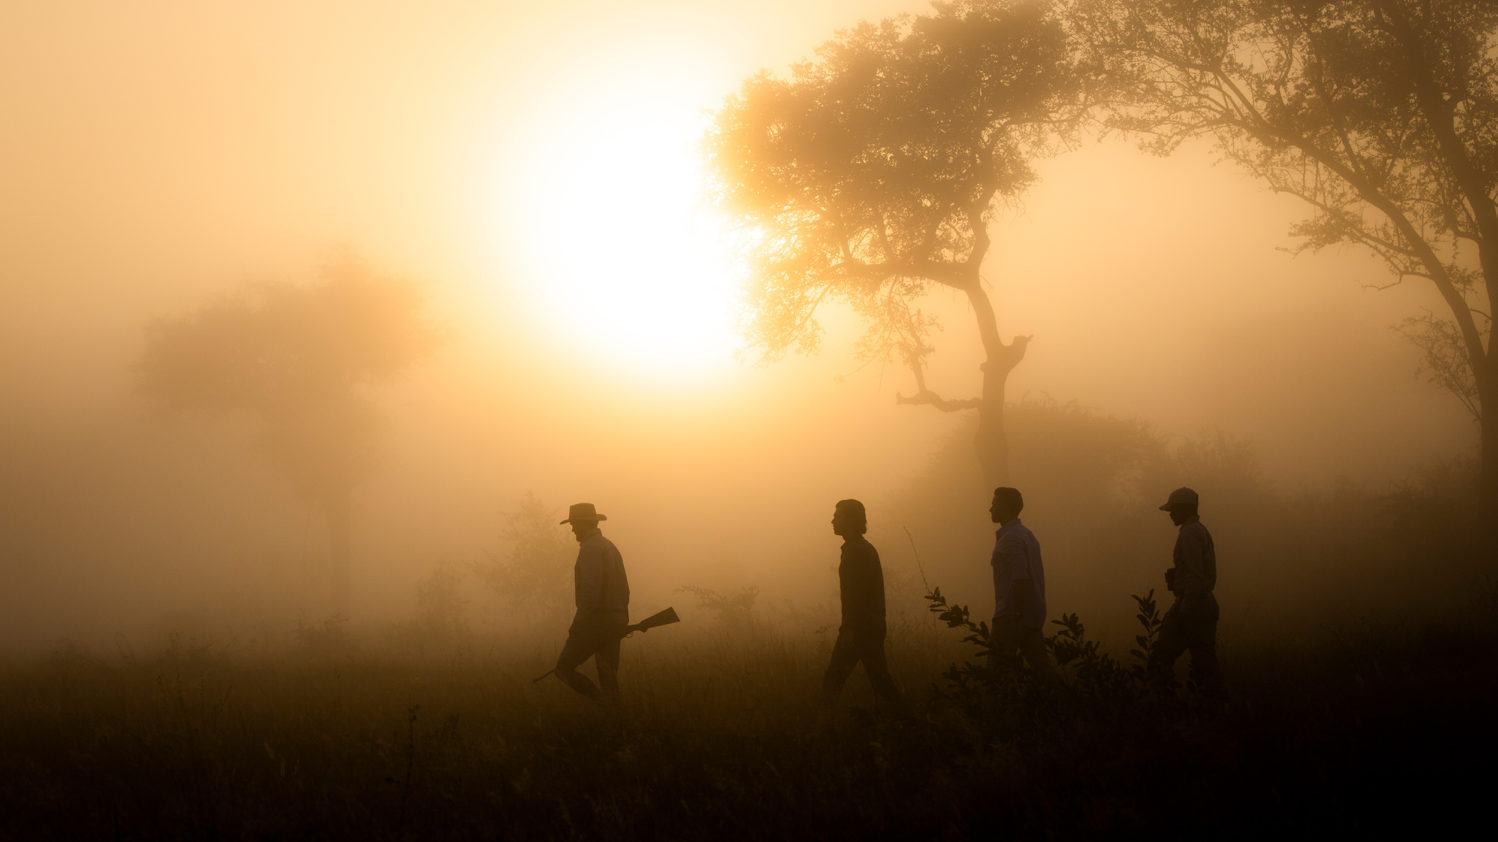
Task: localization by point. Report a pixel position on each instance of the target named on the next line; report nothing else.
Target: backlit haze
(536, 168)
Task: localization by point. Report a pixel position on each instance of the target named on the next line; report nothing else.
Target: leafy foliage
(1379, 114)
(532, 576)
(1098, 680)
(734, 610)
(872, 173)
(299, 361)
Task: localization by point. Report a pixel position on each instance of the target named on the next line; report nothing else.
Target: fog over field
(162, 158)
(323, 318)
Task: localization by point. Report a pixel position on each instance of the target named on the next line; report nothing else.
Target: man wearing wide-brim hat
(602, 592)
(1191, 623)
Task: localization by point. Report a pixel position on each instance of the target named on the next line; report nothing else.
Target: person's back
(1017, 564)
(600, 583)
(1195, 560)
(861, 586)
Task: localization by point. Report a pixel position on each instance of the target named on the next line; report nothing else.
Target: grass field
(1362, 730)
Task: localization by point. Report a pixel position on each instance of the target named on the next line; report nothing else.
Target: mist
(162, 160)
(160, 171)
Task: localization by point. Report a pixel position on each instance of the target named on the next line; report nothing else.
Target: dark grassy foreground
(1370, 731)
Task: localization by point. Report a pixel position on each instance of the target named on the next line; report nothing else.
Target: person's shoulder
(595, 544)
(1014, 531)
(1195, 531)
(859, 547)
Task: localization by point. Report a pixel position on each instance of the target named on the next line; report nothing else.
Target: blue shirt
(1016, 562)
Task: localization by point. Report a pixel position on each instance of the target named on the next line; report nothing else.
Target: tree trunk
(1000, 359)
(993, 440)
(1487, 463)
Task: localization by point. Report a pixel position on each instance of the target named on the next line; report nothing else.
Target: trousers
(853, 646)
(597, 638)
(1189, 626)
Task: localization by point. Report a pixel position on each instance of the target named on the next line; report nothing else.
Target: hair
(1010, 497)
(854, 509)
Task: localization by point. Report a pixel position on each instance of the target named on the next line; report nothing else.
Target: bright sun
(622, 255)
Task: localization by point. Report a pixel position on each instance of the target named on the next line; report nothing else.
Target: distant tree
(872, 173)
(301, 362)
(1382, 115)
(533, 575)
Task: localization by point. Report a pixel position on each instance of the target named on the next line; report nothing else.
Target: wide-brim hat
(583, 511)
(1182, 497)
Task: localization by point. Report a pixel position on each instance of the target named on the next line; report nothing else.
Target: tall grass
(719, 737)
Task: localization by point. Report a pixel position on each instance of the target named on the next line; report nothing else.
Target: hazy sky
(532, 164)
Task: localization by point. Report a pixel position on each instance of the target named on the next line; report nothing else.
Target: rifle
(659, 618)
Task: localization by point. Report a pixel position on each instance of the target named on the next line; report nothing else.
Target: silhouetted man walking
(1018, 589)
(602, 592)
(1191, 622)
(861, 586)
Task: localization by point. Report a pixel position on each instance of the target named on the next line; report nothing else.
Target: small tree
(872, 174)
(532, 576)
(301, 361)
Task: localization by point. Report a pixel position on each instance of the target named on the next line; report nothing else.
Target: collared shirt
(860, 582)
(1016, 561)
(1195, 560)
(598, 577)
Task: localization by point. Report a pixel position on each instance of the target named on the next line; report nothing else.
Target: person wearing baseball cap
(1191, 622)
(602, 593)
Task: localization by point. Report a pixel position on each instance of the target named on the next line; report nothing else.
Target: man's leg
(607, 661)
(1032, 647)
(577, 649)
(1003, 644)
(1170, 642)
(874, 664)
(844, 658)
(1206, 673)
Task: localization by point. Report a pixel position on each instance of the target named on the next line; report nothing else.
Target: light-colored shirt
(598, 577)
(1016, 562)
(1195, 561)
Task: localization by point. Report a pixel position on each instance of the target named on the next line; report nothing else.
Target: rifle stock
(659, 618)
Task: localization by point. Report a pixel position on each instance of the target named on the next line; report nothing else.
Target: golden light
(622, 256)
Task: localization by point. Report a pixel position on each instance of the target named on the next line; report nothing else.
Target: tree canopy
(873, 172)
(1382, 115)
(299, 360)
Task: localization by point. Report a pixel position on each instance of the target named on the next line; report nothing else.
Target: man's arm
(1191, 562)
(1019, 596)
(1015, 564)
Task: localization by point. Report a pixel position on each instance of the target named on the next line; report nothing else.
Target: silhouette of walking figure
(861, 586)
(1018, 590)
(1191, 622)
(602, 592)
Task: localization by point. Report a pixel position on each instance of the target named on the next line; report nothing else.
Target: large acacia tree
(300, 361)
(872, 173)
(1382, 115)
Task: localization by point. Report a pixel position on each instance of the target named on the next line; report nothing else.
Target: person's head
(849, 519)
(1181, 505)
(1006, 506)
(584, 519)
